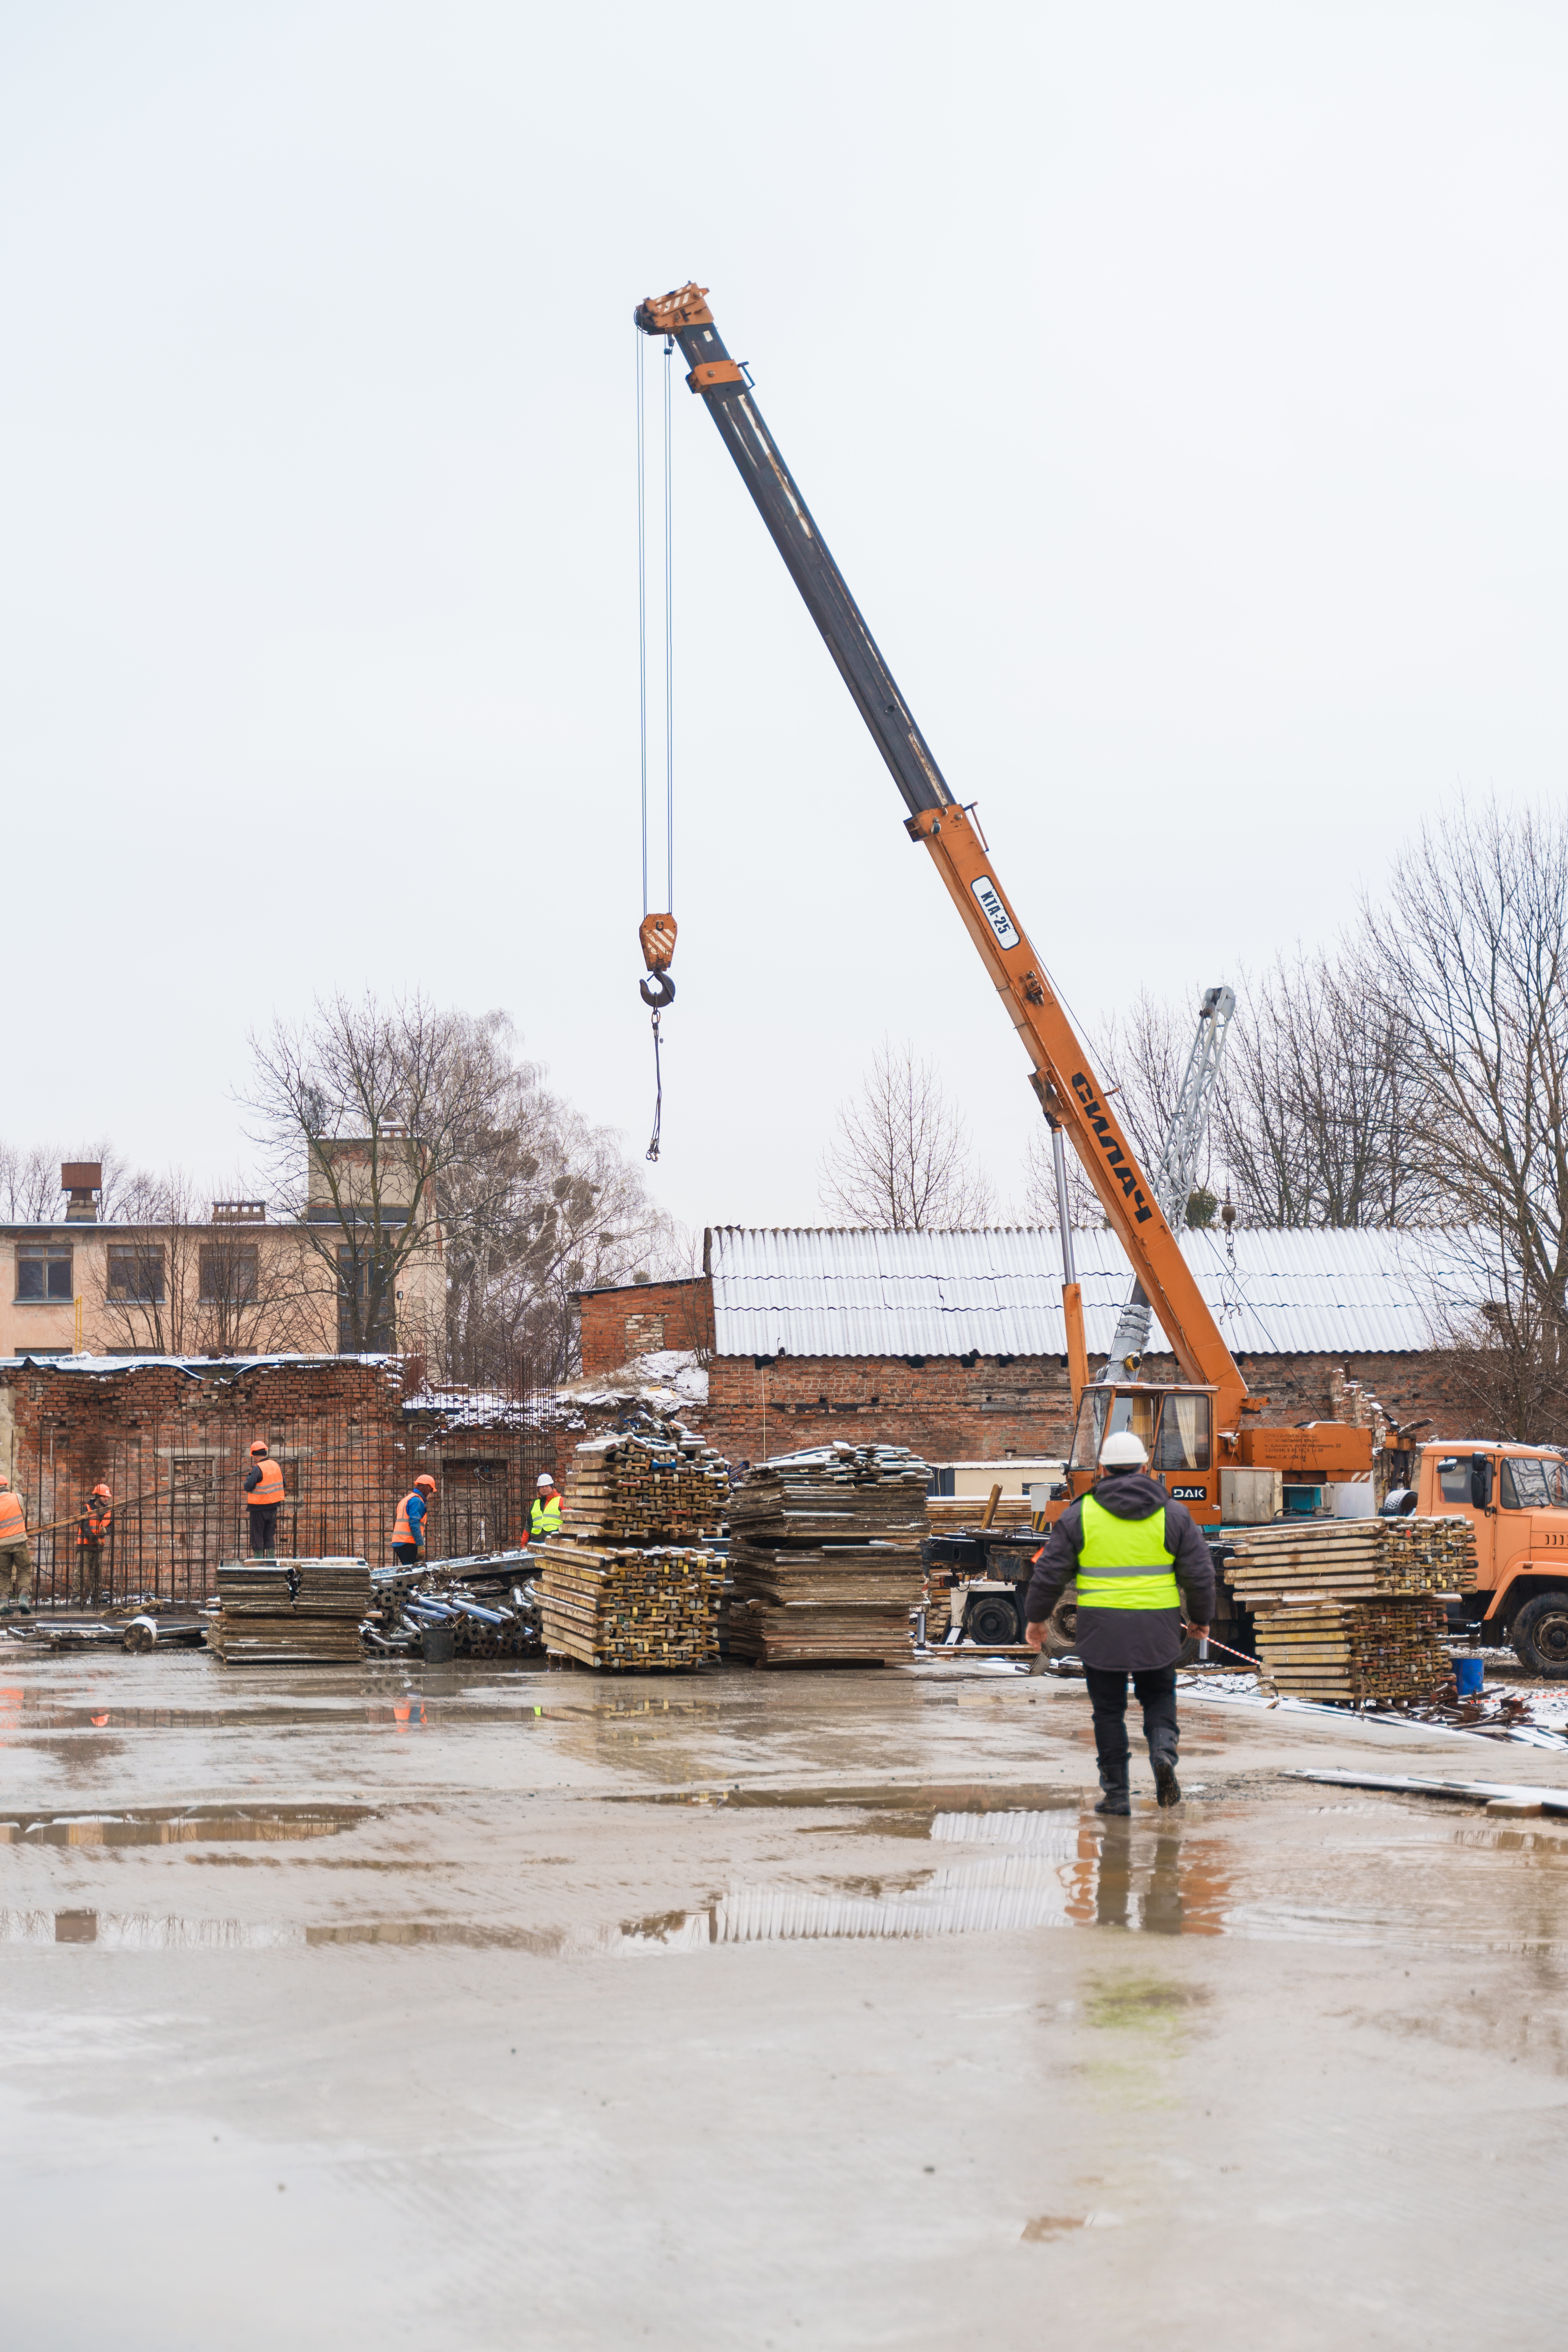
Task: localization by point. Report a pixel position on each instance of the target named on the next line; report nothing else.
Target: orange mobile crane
(1205, 1423)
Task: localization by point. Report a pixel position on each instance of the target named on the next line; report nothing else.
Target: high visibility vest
(1124, 1563)
(270, 1490)
(94, 1528)
(12, 1518)
(403, 1525)
(544, 1517)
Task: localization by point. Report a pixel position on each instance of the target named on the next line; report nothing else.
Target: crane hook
(658, 990)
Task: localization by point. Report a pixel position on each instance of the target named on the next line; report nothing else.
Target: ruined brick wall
(641, 1318)
(172, 1443)
(952, 1411)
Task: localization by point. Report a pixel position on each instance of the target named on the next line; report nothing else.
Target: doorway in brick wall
(479, 1508)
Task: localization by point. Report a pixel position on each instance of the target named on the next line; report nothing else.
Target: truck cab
(1515, 1499)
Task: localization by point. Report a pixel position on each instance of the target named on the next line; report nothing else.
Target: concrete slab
(489, 2009)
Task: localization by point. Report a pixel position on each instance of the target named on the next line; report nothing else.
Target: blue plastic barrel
(1469, 1674)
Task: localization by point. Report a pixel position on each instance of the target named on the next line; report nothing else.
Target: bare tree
(1317, 1113)
(30, 1182)
(901, 1157)
(173, 1283)
(1473, 958)
(563, 1209)
(379, 1122)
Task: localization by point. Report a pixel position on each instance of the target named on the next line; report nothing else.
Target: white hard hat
(1124, 1452)
(544, 1479)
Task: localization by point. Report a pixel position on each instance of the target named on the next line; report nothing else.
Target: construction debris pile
(1353, 1610)
(825, 1556)
(629, 1582)
(289, 1613)
(483, 1607)
(645, 1490)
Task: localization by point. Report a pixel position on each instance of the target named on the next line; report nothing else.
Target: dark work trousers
(405, 1555)
(1156, 1689)
(263, 1529)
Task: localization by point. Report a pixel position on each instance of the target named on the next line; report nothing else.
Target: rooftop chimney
(81, 1179)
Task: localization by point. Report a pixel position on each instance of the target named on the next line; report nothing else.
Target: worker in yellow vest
(263, 1494)
(15, 1559)
(1133, 1554)
(544, 1511)
(408, 1528)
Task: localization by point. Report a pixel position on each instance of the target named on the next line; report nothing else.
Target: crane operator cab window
(1173, 1427)
(1184, 1440)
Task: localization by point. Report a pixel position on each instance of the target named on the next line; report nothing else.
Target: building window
(44, 1270)
(381, 1335)
(230, 1273)
(136, 1273)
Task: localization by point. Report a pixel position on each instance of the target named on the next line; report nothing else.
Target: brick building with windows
(234, 1284)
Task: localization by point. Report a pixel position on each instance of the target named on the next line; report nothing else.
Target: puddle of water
(193, 1825)
(914, 1796)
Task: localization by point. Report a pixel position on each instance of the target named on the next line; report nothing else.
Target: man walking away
(544, 1511)
(91, 1535)
(263, 1494)
(15, 1559)
(408, 1528)
(1133, 1553)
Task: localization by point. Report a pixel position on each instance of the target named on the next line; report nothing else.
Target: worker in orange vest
(263, 1493)
(408, 1528)
(15, 1559)
(92, 1533)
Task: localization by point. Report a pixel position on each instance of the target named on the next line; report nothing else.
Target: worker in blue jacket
(408, 1528)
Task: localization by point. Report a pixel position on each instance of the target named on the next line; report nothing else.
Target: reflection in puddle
(1043, 1869)
(190, 1826)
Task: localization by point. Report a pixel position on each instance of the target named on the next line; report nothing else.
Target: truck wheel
(993, 1621)
(1540, 1635)
(1061, 1625)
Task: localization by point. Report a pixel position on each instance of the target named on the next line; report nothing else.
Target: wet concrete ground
(491, 2009)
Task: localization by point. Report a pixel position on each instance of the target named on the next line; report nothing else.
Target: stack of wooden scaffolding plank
(618, 1608)
(825, 1556)
(1353, 1610)
(290, 1612)
(629, 1581)
(645, 1490)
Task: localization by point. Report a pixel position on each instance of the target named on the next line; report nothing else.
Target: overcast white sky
(1181, 390)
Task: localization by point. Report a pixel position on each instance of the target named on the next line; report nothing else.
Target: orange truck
(1515, 1499)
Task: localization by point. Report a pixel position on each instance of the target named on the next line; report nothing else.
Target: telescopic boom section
(1065, 1082)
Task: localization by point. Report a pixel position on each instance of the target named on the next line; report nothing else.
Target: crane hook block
(658, 990)
(656, 936)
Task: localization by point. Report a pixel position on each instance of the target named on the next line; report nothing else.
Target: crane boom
(1064, 1079)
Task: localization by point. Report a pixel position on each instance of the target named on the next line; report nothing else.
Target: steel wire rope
(668, 638)
(642, 599)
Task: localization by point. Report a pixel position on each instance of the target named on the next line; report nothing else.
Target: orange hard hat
(260, 1446)
(102, 1489)
(3, 1480)
(424, 1479)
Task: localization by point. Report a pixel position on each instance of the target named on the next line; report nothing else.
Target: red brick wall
(620, 1324)
(951, 1413)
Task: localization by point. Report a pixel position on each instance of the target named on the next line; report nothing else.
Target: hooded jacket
(1126, 1641)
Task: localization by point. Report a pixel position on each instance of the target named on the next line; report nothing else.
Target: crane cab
(1175, 1427)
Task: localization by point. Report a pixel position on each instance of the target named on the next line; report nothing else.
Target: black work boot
(1167, 1788)
(1116, 1798)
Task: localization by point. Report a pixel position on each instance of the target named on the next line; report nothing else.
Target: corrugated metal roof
(816, 1291)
